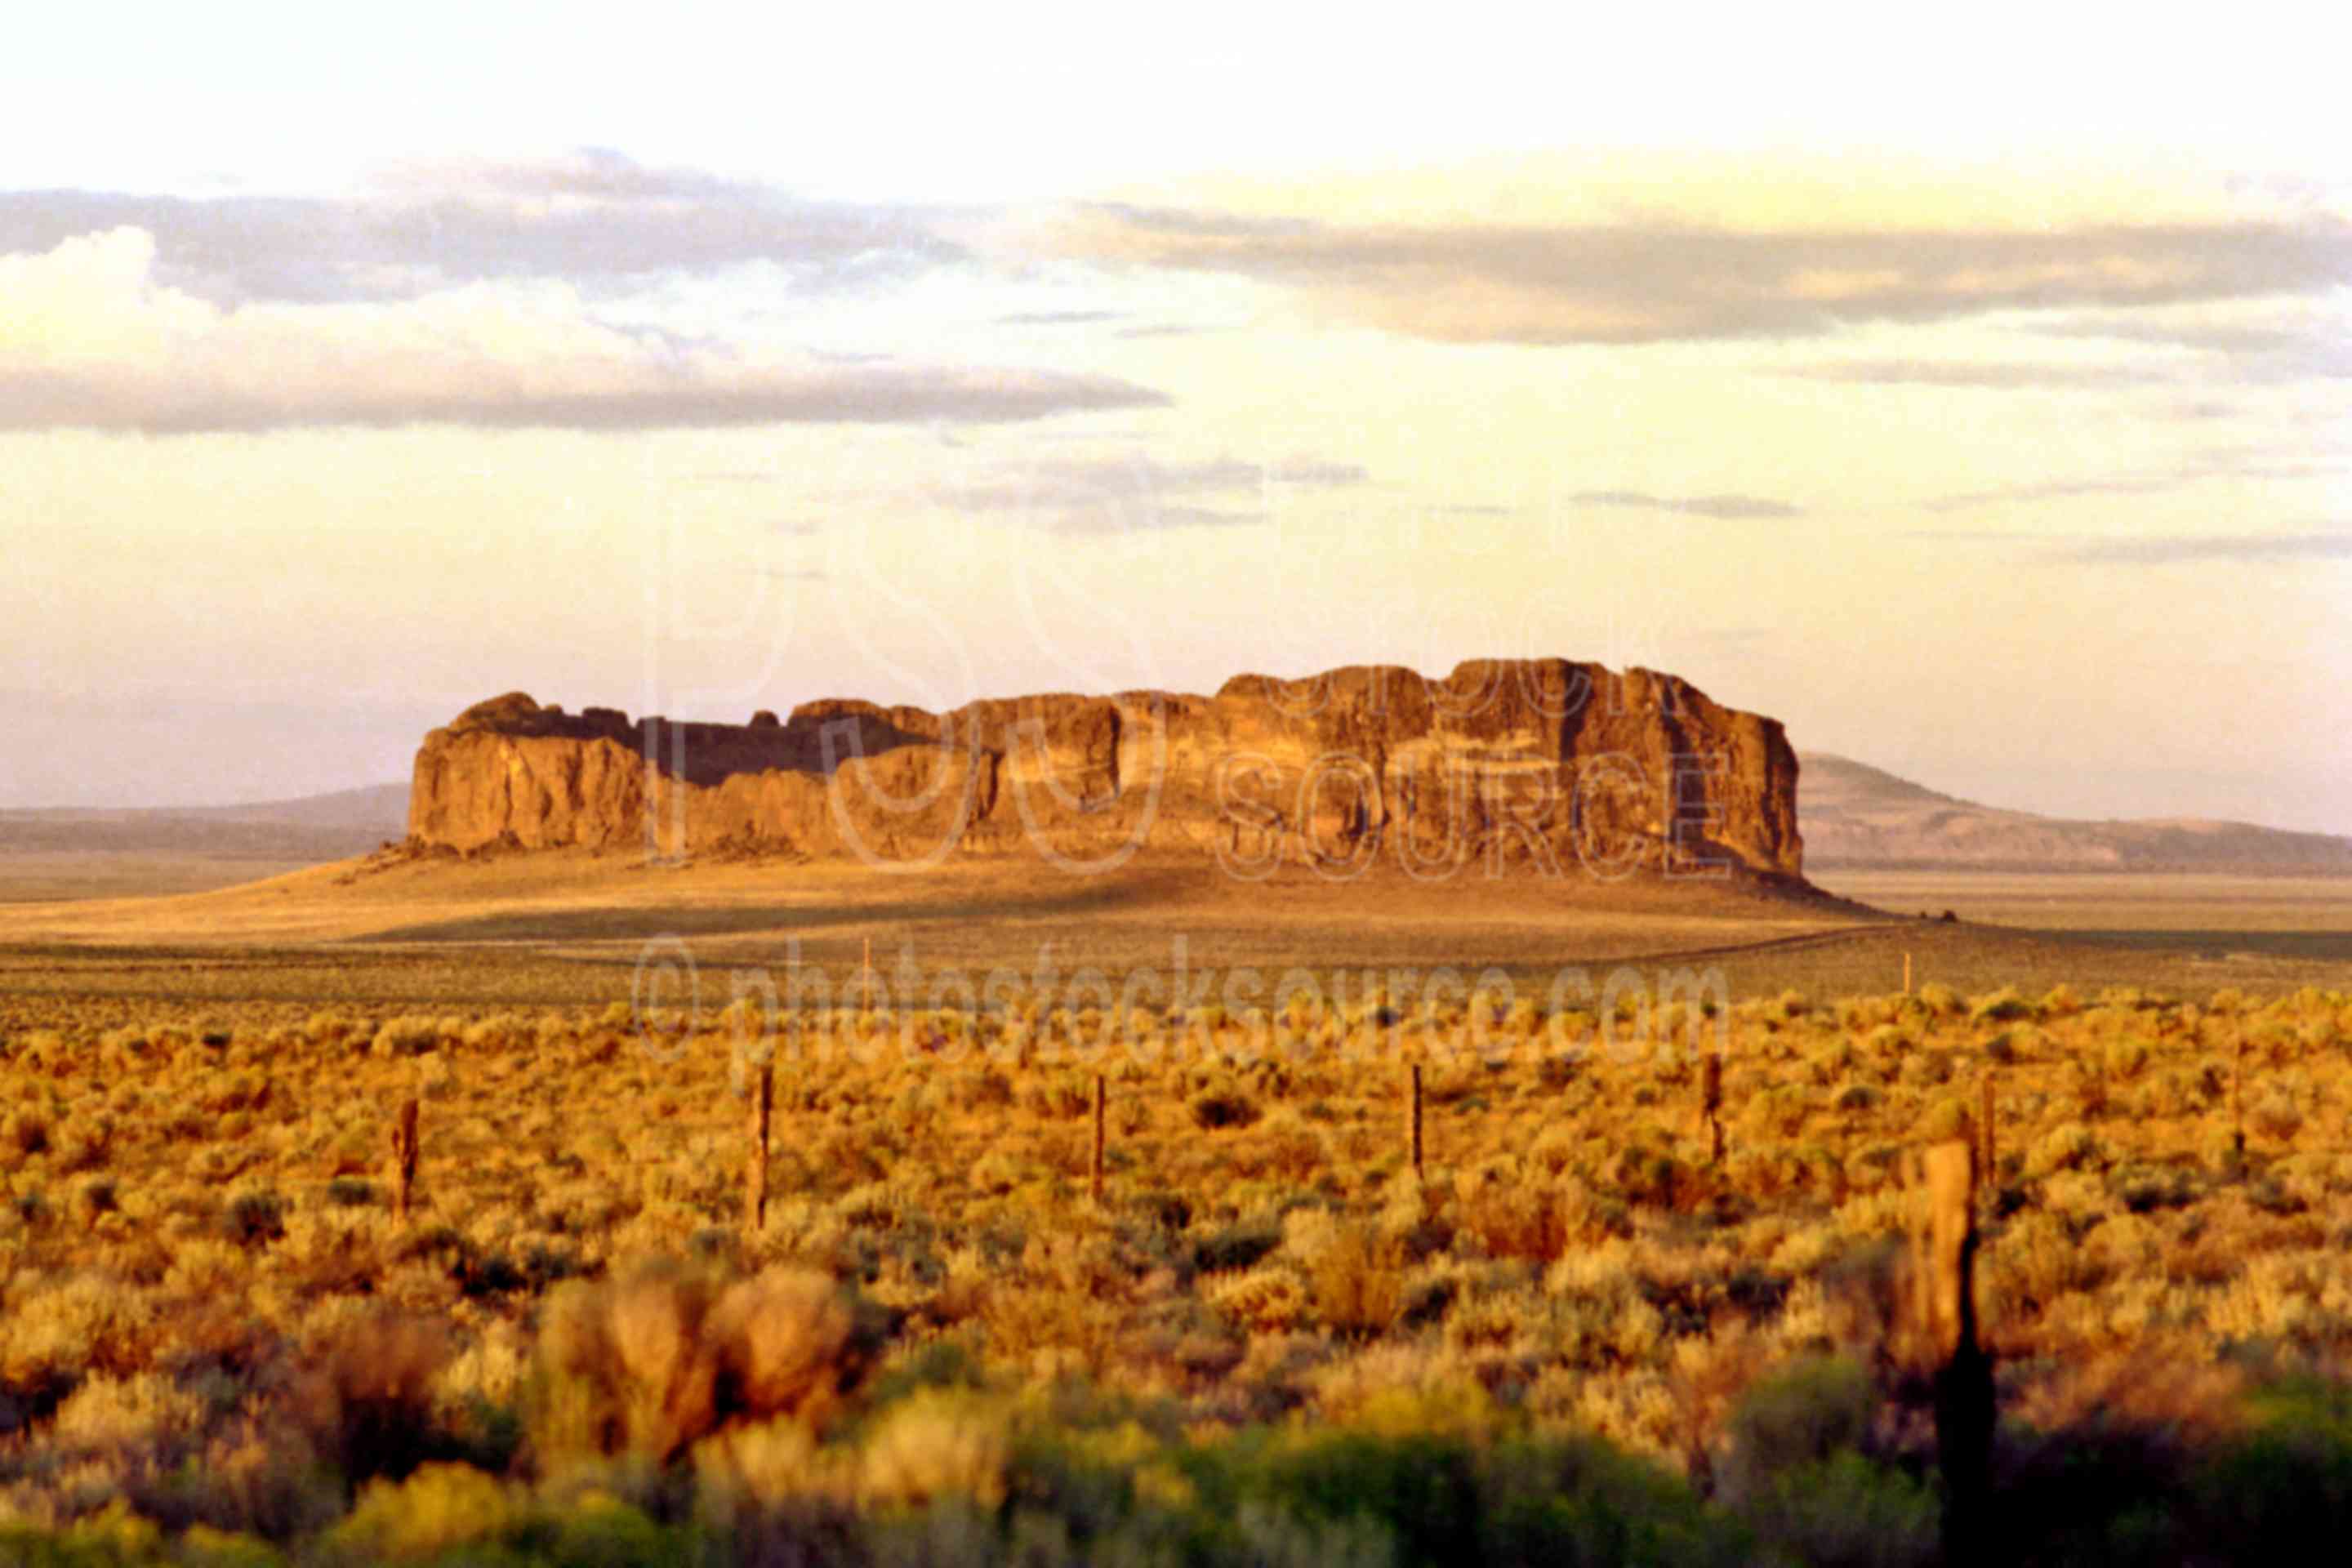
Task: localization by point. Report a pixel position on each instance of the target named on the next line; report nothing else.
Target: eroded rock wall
(1563, 765)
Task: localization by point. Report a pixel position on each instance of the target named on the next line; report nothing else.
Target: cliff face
(1562, 766)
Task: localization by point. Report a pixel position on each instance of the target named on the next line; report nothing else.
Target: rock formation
(1567, 768)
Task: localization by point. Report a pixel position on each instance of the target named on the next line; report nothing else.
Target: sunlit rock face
(1560, 765)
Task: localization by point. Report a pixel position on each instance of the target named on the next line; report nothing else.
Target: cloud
(1647, 279)
(1056, 318)
(1993, 374)
(2307, 345)
(2215, 463)
(2208, 336)
(1082, 521)
(595, 218)
(1727, 506)
(88, 338)
(2253, 549)
(2060, 489)
(1097, 495)
(2157, 549)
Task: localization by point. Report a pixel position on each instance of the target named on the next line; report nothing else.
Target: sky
(1975, 403)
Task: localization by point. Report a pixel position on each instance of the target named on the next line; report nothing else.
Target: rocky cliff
(1560, 766)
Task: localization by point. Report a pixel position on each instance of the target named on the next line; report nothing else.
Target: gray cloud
(2253, 549)
(127, 351)
(1997, 373)
(1082, 520)
(2157, 550)
(1056, 318)
(1100, 495)
(1112, 480)
(1634, 283)
(596, 220)
(640, 397)
(2309, 347)
(2224, 462)
(1729, 507)
(2062, 489)
(2211, 337)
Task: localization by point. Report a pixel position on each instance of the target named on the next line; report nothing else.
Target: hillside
(332, 827)
(1857, 816)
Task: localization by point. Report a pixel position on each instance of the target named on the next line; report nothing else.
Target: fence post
(755, 1169)
(1413, 1114)
(1095, 1169)
(2238, 1094)
(1710, 1105)
(1943, 1302)
(403, 1158)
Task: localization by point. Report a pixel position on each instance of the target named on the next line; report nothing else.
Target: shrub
(26, 1131)
(2068, 1146)
(434, 1511)
(2287, 1484)
(2004, 1005)
(1947, 1116)
(1848, 1510)
(1356, 1283)
(408, 1036)
(138, 1412)
(363, 1399)
(253, 1217)
(1803, 1415)
(1221, 1107)
(647, 1362)
(1263, 1301)
(937, 1443)
(2274, 1115)
(2127, 1056)
(1854, 1098)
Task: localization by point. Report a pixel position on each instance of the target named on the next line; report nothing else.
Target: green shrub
(1847, 1510)
(1799, 1418)
(2287, 1486)
(2004, 1005)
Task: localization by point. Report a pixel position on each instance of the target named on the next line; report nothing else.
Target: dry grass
(210, 1312)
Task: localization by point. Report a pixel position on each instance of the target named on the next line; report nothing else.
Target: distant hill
(1854, 816)
(314, 827)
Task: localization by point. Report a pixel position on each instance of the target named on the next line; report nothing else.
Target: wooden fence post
(403, 1158)
(2238, 1094)
(1943, 1302)
(1095, 1169)
(1907, 974)
(755, 1169)
(1413, 1115)
(1710, 1105)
